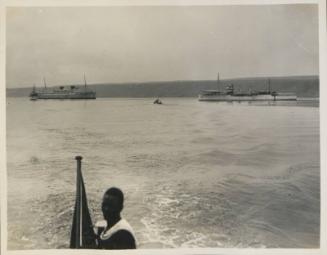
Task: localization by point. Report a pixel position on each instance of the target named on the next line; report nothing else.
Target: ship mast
(269, 90)
(84, 81)
(45, 84)
(218, 83)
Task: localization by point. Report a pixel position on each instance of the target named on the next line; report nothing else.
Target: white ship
(230, 95)
(71, 92)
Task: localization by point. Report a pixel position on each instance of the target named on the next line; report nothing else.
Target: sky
(117, 44)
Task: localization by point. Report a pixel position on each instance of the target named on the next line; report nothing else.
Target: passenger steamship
(68, 92)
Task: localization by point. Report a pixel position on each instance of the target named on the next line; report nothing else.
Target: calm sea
(194, 174)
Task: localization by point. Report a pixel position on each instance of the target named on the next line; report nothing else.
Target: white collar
(120, 225)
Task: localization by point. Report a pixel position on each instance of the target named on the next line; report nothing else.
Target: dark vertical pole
(84, 82)
(78, 202)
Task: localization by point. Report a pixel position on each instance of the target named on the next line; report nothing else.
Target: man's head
(112, 203)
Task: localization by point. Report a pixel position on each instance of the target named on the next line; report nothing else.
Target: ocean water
(194, 174)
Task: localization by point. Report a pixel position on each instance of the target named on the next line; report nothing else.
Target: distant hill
(304, 86)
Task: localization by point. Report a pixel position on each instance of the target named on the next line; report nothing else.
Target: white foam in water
(194, 174)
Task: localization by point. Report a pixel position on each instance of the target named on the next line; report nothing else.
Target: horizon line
(171, 81)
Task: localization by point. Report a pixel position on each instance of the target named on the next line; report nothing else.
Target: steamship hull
(268, 97)
(75, 95)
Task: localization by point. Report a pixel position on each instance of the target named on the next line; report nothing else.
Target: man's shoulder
(124, 239)
(119, 236)
(123, 233)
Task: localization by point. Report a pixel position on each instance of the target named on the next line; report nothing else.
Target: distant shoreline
(303, 86)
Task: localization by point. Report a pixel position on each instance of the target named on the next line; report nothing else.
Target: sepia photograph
(163, 127)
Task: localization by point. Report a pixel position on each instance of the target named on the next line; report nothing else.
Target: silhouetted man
(117, 234)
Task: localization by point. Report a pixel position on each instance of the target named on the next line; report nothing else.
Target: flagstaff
(78, 202)
(82, 234)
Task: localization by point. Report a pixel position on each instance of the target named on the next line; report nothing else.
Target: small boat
(157, 101)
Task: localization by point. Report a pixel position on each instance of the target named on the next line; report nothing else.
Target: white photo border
(323, 122)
